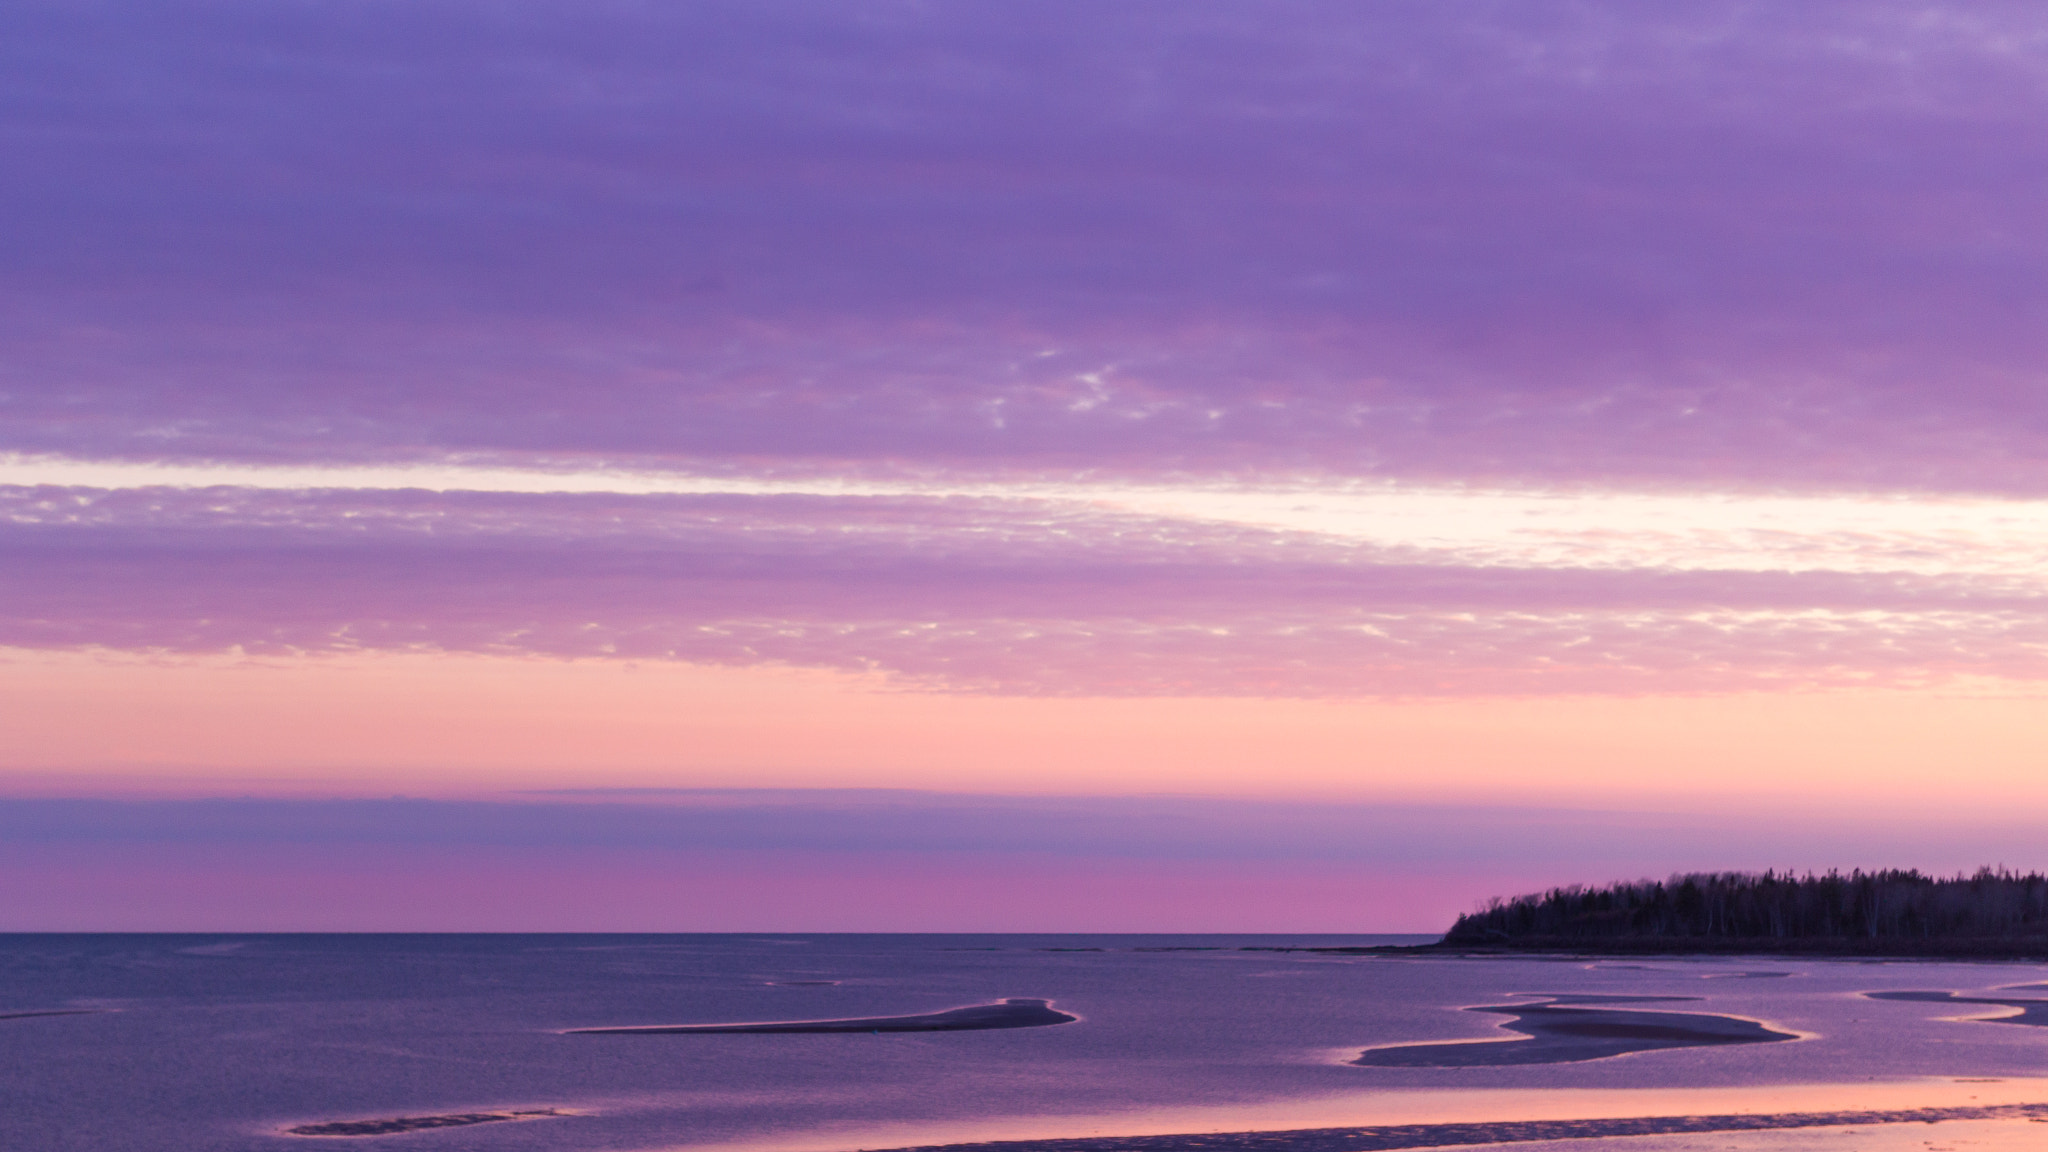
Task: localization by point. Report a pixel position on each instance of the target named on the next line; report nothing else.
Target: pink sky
(472, 726)
(1599, 409)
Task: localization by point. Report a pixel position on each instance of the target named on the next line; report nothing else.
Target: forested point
(1884, 906)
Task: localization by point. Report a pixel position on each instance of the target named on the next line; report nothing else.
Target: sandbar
(396, 1124)
(2032, 1011)
(1015, 1013)
(1563, 1029)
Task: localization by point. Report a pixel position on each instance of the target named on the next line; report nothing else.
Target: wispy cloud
(1024, 596)
(1322, 349)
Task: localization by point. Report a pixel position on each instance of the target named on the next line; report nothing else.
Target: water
(224, 1042)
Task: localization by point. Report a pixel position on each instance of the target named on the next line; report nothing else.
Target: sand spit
(1562, 1030)
(1017, 1013)
(1401, 1136)
(52, 1012)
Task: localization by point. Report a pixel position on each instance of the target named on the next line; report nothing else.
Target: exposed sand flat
(1564, 1029)
(2009, 1135)
(2014, 1126)
(1015, 1013)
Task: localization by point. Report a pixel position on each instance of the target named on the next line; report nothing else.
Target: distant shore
(2029, 948)
(1989, 914)
(1821, 947)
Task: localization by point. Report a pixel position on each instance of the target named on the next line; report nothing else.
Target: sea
(269, 1043)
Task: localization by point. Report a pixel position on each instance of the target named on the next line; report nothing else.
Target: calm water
(222, 1042)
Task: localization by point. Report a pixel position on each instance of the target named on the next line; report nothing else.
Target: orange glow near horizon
(452, 725)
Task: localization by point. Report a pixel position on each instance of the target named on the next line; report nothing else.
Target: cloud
(1718, 243)
(958, 594)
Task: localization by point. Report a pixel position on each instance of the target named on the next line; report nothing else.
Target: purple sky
(1463, 354)
(1718, 243)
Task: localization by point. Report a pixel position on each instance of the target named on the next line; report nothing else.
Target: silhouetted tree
(1991, 903)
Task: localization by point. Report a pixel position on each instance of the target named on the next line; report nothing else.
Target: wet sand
(2017, 1121)
(1015, 1013)
(2010, 1135)
(1563, 1029)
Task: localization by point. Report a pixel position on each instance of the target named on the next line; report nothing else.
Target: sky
(1010, 466)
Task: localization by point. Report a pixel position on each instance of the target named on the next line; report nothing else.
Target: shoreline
(1396, 1137)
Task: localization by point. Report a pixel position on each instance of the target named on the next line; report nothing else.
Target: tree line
(1887, 904)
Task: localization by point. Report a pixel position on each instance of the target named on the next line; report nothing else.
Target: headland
(1992, 914)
